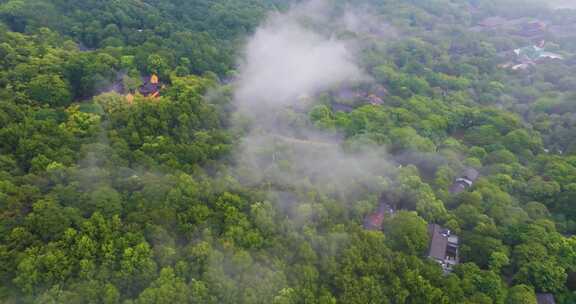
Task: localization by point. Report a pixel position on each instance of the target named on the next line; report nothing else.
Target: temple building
(151, 87)
(461, 184)
(443, 247)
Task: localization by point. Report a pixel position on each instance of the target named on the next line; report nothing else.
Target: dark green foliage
(105, 199)
(407, 233)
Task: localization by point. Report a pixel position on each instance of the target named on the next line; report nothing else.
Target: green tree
(407, 232)
(521, 294)
(497, 261)
(50, 89)
(157, 64)
(167, 288)
(544, 275)
(105, 200)
(49, 220)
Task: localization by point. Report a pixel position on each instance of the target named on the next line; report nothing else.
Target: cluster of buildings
(535, 31)
(150, 87)
(524, 58)
(444, 245)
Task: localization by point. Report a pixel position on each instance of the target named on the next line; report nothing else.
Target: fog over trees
(267, 151)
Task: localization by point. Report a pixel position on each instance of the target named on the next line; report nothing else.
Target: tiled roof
(438, 242)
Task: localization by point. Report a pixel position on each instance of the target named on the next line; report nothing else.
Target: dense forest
(269, 151)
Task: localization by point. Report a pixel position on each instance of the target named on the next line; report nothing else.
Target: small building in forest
(375, 220)
(375, 100)
(545, 298)
(463, 183)
(535, 53)
(151, 87)
(348, 98)
(526, 57)
(130, 98)
(443, 247)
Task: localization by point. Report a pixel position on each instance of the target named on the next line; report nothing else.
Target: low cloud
(562, 4)
(285, 60)
(290, 59)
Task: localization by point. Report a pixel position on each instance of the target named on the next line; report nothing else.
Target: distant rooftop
(438, 242)
(471, 174)
(465, 181)
(443, 247)
(375, 220)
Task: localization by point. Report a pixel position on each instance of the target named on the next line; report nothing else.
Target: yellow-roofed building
(154, 79)
(151, 87)
(130, 98)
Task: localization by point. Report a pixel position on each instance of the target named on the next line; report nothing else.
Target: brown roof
(375, 100)
(457, 187)
(438, 242)
(374, 220)
(471, 174)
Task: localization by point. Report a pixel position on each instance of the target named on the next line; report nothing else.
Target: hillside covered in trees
(268, 151)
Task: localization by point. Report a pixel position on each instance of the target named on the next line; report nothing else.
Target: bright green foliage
(49, 89)
(521, 294)
(407, 232)
(106, 199)
(545, 276)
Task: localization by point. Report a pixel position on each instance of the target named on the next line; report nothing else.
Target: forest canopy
(266, 151)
